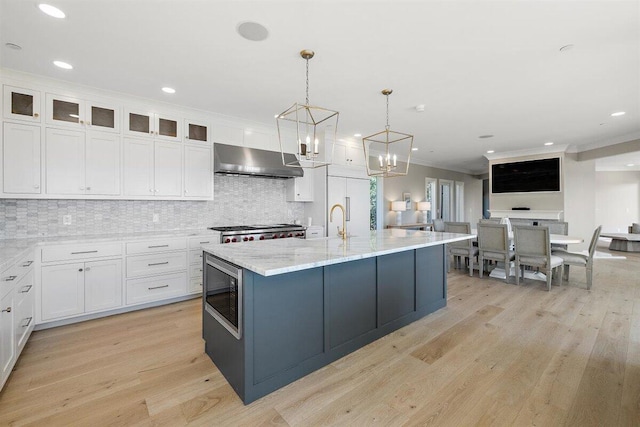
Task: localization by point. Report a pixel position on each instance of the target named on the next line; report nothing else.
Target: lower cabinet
(156, 288)
(72, 289)
(25, 310)
(7, 342)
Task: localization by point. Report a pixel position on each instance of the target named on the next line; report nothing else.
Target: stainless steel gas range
(248, 233)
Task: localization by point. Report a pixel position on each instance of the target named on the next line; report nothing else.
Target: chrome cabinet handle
(158, 263)
(158, 287)
(80, 270)
(28, 288)
(8, 310)
(36, 115)
(88, 188)
(27, 264)
(158, 246)
(28, 319)
(202, 243)
(36, 186)
(83, 252)
(10, 278)
(87, 269)
(81, 122)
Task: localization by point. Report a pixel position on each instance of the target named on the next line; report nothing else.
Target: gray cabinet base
(298, 322)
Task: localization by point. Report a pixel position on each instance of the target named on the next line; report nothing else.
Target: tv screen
(526, 177)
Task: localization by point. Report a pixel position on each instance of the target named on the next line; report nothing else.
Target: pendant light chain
(307, 101)
(387, 126)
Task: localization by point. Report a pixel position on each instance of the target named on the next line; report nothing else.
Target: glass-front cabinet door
(103, 117)
(168, 127)
(21, 104)
(195, 131)
(139, 123)
(65, 111)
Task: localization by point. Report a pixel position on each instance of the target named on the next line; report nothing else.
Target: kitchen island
(302, 304)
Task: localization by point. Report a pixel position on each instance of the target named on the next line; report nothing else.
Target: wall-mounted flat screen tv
(526, 177)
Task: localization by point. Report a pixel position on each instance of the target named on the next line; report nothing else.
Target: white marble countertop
(11, 250)
(271, 257)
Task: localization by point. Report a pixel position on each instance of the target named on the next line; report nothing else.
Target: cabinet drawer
(146, 265)
(156, 288)
(195, 271)
(195, 257)
(80, 251)
(195, 285)
(196, 242)
(150, 246)
(14, 274)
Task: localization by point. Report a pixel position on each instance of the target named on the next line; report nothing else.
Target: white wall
(580, 198)
(617, 200)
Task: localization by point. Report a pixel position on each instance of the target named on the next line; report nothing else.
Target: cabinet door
(138, 167)
(62, 290)
(196, 131)
(103, 285)
(7, 342)
(21, 104)
(261, 140)
(228, 134)
(139, 123)
(198, 171)
(21, 159)
(339, 154)
(358, 206)
(355, 155)
(336, 193)
(168, 169)
(64, 154)
(65, 111)
(25, 310)
(103, 163)
(168, 127)
(103, 117)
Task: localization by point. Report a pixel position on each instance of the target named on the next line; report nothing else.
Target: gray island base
(300, 320)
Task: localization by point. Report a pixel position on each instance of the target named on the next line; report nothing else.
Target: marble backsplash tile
(237, 201)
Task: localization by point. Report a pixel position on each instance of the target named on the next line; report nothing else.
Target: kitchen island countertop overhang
(272, 257)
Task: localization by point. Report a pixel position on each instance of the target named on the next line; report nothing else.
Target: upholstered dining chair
(493, 245)
(533, 248)
(489, 220)
(438, 224)
(581, 259)
(556, 227)
(462, 249)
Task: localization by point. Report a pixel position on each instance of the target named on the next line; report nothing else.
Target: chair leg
(480, 266)
(449, 259)
(589, 277)
(471, 266)
(566, 272)
(507, 269)
(517, 273)
(549, 276)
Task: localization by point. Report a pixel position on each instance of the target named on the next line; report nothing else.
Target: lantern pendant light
(388, 146)
(307, 131)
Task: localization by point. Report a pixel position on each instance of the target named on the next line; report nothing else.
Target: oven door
(223, 294)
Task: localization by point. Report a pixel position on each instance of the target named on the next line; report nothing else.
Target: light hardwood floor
(496, 355)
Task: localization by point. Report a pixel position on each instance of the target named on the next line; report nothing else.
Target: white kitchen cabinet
(64, 160)
(348, 154)
(102, 285)
(21, 104)
(24, 300)
(198, 171)
(155, 125)
(196, 131)
(82, 163)
(224, 133)
(62, 290)
(300, 189)
(72, 112)
(261, 140)
(7, 341)
(21, 159)
(167, 169)
(353, 195)
(152, 168)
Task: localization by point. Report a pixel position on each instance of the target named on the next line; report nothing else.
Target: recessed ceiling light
(619, 113)
(13, 46)
(548, 143)
(420, 108)
(62, 64)
(630, 164)
(357, 135)
(490, 151)
(566, 48)
(253, 31)
(168, 90)
(51, 10)
(414, 149)
(485, 136)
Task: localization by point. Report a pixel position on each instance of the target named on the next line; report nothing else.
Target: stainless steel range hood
(234, 160)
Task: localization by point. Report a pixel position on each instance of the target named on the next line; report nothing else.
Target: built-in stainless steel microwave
(223, 293)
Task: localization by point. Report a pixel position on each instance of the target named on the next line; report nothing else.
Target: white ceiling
(479, 67)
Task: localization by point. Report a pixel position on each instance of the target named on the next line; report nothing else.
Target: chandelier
(307, 131)
(388, 146)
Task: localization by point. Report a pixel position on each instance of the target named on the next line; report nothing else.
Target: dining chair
(438, 224)
(493, 245)
(533, 248)
(462, 249)
(556, 227)
(489, 220)
(581, 259)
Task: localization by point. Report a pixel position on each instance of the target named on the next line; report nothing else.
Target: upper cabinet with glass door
(21, 104)
(196, 131)
(154, 125)
(79, 113)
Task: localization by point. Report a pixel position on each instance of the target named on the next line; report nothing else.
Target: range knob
(261, 237)
(283, 235)
(234, 240)
(275, 236)
(251, 238)
(245, 239)
(290, 234)
(227, 240)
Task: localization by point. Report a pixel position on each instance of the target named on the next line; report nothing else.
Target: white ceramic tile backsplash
(237, 201)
